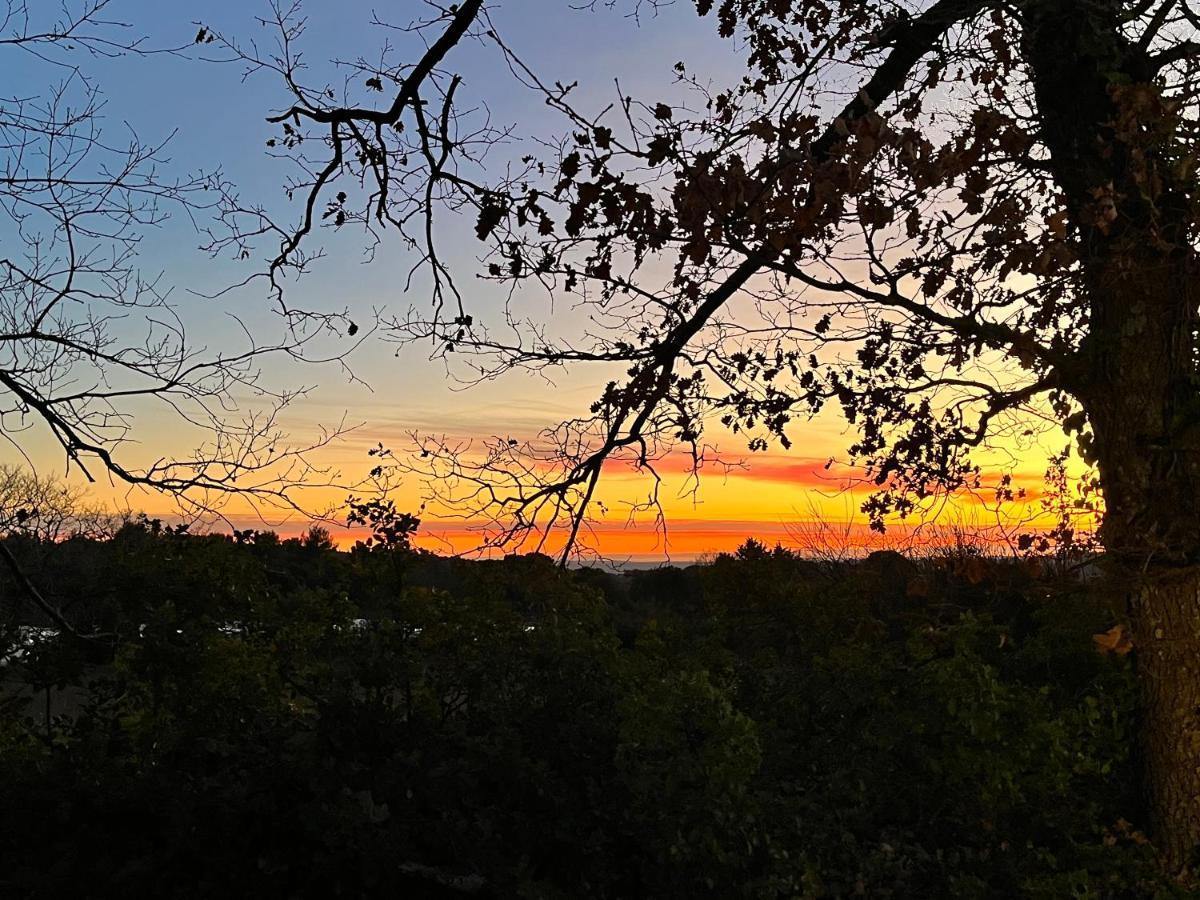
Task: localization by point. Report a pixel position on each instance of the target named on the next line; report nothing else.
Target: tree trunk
(1137, 370)
(1166, 626)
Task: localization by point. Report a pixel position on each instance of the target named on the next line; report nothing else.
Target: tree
(46, 509)
(937, 215)
(87, 341)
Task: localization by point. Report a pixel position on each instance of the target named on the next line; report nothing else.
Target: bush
(279, 719)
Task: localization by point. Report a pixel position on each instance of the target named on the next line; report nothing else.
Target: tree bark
(1137, 375)
(1142, 406)
(1166, 632)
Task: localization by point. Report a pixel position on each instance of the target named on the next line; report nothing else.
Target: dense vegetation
(276, 718)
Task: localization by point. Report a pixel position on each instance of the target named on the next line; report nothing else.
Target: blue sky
(218, 119)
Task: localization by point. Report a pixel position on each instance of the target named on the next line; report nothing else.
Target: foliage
(369, 723)
(949, 220)
(953, 221)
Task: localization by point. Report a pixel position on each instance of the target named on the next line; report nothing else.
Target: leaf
(1116, 640)
(662, 112)
(1057, 224)
(569, 167)
(659, 149)
(375, 84)
(491, 214)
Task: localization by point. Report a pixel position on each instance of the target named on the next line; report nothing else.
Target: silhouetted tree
(492, 737)
(86, 339)
(46, 509)
(935, 215)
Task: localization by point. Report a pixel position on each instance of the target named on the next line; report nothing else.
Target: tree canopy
(382, 721)
(949, 220)
(941, 217)
(902, 210)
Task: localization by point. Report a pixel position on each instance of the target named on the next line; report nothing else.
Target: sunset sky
(218, 117)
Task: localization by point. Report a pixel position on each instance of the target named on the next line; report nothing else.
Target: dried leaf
(1116, 640)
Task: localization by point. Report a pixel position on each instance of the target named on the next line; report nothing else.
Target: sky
(217, 118)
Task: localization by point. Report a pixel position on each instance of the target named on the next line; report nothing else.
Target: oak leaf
(1116, 640)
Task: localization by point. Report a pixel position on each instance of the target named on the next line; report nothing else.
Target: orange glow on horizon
(801, 500)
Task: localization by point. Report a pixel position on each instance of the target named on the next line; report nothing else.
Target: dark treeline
(274, 718)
